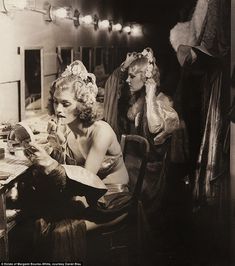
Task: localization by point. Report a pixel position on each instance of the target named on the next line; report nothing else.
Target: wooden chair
(123, 236)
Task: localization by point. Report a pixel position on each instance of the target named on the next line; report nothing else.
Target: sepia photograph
(117, 132)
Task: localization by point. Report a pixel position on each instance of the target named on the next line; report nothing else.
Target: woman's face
(135, 79)
(65, 106)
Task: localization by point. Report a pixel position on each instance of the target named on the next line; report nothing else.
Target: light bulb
(136, 30)
(117, 27)
(127, 29)
(87, 19)
(60, 13)
(103, 24)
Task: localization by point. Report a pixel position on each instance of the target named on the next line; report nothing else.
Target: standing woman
(83, 158)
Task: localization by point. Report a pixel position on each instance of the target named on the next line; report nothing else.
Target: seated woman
(141, 108)
(142, 104)
(81, 147)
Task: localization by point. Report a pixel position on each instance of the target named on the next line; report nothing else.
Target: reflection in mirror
(105, 56)
(121, 53)
(33, 79)
(110, 56)
(100, 72)
(87, 58)
(65, 57)
(98, 56)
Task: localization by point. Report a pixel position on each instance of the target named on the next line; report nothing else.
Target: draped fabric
(60, 241)
(207, 32)
(59, 231)
(209, 164)
(63, 239)
(59, 218)
(116, 99)
(111, 97)
(210, 49)
(214, 37)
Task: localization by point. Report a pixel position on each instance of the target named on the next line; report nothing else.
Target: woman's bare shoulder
(102, 125)
(102, 128)
(102, 134)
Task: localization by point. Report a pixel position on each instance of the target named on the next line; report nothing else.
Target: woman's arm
(59, 177)
(52, 172)
(102, 139)
(155, 122)
(161, 116)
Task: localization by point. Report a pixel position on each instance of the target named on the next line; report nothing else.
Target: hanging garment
(210, 163)
(207, 32)
(116, 100)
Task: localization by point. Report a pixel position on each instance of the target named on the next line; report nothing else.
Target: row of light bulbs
(78, 19)
(51, 13)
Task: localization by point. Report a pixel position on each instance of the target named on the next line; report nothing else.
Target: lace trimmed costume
(153, 115)
(162, 119)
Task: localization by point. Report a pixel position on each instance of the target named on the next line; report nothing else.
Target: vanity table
(15, 167)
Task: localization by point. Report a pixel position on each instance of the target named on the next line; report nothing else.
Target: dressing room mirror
(33, 80)
(105, 56)
(65, 56)
(121, 53)
(99, 66)
(87, 57)
(98, 56)
(110, 59)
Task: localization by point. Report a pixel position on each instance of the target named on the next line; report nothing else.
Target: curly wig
(84, 88)
(146, 63)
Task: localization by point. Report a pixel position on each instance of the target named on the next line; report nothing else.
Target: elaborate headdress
(86, 81)
(84, 87)
(148, 53)
(152, 71)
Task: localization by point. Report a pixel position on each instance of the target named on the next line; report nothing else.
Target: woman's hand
(56, 133)
(130, 57)
(39, 157)
(150, 86)
(131, 114)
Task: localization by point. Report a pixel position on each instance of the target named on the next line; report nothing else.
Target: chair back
(137, 146)
(120, 235)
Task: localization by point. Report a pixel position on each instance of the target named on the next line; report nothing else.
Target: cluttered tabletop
(13, 162)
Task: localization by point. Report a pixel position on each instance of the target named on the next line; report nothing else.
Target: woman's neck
(77, 128)
(137, 95)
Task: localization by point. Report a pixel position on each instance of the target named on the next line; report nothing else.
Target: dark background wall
(157, 18)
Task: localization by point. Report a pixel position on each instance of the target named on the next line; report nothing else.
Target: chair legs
(107, 250)
(119, 256)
